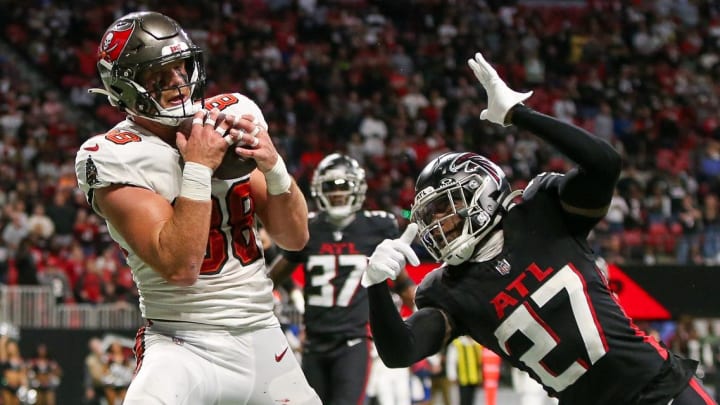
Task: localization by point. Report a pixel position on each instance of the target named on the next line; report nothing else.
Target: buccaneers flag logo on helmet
(115, 40)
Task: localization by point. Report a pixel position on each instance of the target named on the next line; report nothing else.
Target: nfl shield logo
(502, 267)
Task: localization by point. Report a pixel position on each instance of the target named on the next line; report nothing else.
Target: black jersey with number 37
(544, 306)
(334, 260)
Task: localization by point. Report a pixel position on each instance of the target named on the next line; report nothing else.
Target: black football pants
(339, 375)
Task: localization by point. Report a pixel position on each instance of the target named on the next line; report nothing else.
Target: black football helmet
(459, 199)
(143, 41)
(338, 185)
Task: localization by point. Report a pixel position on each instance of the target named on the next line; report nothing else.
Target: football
(232, 166)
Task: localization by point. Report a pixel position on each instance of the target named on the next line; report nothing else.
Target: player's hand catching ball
(203, 145)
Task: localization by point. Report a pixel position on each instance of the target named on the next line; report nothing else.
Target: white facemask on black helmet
(338, 186)
(459, 199)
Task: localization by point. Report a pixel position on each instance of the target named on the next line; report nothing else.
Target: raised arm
(587, 189)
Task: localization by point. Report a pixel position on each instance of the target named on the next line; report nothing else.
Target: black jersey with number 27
(544, 306)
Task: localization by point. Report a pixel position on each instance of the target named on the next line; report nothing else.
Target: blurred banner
(663, 292)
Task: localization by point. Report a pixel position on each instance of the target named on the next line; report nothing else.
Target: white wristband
(278, 179)
(196, 184)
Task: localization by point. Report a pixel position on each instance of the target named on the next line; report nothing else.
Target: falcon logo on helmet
(471, 162)
(459, 200)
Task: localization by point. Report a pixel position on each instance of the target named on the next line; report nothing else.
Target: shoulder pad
(379, 214)
(542, 182)
(381, 218)
(314, 216)
(127, 155)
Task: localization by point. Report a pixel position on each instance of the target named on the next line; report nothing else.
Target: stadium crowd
(386, 83)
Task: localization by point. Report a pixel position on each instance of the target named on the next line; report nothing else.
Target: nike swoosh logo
(92, 148)
(353, 342)
(280, 356)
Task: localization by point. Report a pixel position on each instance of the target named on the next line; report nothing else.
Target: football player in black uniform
(519, 276)
(336, 351)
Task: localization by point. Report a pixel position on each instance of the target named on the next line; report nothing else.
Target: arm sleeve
(589, 187)
(402, 343)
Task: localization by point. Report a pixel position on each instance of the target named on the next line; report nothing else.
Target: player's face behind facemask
(457, 204)
(339, 186)
(150, 68)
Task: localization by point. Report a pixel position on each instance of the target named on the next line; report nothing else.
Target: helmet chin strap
(186, 109)
(491, 248)
(493, 243)
(341, 221)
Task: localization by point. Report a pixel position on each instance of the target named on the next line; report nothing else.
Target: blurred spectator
(414, 101)
(16, 230)
(45, 375)
(121, 366)
(711, 229)
(690, 218)
(531, 393)
(86, 231)
(4, 262)
(39, 224)
(617, 213)
(95, 372)
(658, 203)
(11, 120)
(440, 384)
(25, 263)
(14, 372)
(374, 132)
(464, 367)
(63, 216)
(90, 286)
(388, 386)
(421, 379)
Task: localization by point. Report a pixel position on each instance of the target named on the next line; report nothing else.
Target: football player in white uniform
(191, 238)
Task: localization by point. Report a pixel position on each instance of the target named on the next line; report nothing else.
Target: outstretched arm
(399, 343)
(402, 343)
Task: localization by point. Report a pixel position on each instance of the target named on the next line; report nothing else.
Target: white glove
(501, 98)
(388, 259)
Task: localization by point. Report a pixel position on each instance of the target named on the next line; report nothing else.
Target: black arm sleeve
(590, 186)
(403, 343)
